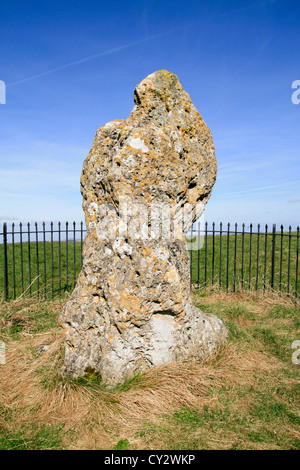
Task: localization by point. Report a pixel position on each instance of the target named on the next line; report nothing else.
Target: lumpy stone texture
(131, 308)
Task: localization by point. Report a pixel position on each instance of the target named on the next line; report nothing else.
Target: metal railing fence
(45, 259)
(42, 259)
(234, 258)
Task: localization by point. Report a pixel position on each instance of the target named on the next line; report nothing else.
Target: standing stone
(145, 181)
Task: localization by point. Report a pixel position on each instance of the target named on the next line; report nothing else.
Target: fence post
(220, 272)
(234, 260)
(227, 265)
(297, 262)
(5, 263)
(273, 257)
(281, 252)
(250, 255)
(257, 259)
(243, 252)
(289, 259)
(266, 250)
(213, 254)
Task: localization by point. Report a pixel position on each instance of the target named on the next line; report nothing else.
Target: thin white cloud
(86, 59)
(262, 191)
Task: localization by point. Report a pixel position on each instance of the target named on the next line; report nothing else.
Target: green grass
(31, 437)
(26, 317)
(122, 444)
(260, 428)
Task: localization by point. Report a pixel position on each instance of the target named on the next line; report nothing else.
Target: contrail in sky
(120, 48)
(86, 59)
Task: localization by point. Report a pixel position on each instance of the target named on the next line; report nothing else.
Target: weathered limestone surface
(131, 308)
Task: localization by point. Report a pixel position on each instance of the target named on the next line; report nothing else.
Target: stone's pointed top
(161, 79)
(160, 86)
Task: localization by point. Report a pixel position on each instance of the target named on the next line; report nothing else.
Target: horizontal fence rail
(45, 259)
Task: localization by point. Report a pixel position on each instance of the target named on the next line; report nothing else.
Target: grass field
(247, 397)
(230, 262)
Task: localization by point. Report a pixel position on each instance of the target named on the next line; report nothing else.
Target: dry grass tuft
(260, 298)
(148, 411)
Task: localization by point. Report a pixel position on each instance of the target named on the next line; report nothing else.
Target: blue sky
(71, 66)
